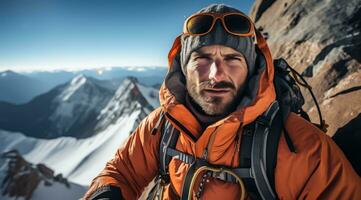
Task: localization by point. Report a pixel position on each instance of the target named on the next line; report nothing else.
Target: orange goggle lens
(201, 24)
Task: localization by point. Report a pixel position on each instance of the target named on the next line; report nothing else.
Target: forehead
(214, 49)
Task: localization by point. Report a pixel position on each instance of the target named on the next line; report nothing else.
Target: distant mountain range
(79, 108)
(19, 88)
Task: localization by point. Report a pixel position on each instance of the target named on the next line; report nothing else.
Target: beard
(214, 105)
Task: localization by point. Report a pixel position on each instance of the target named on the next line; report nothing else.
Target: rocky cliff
(321, 39)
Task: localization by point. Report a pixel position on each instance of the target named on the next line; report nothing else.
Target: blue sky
(73, 34)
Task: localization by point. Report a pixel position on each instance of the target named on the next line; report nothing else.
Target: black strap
(167, 145)
(272, 147)
(186, 158)
(188, 179)
(259, 152)
(107, 193)
(169, 140)
(245, 160)
(273, 119)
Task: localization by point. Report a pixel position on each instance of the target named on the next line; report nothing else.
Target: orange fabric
(319, 170)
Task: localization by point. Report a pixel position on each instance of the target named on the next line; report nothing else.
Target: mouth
(217, 91)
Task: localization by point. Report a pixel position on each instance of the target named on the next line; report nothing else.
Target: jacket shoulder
(303, 133)
(317, 166)
(150, 121)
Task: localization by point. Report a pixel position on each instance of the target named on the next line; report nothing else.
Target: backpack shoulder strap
(259, 152)
(168, 141)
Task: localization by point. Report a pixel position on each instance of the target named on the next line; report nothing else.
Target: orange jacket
(319, 170)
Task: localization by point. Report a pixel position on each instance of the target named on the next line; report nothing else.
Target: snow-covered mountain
(76, 106)
(79, 108)
(146, 75)
(130, 97)
(67, 110)
(79, 160)
(22, 87)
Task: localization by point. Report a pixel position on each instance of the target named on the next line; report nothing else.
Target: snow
(75, 84)
(120, 103)
(77, 100)
(78, 160)
(150, 94)
(56, 191)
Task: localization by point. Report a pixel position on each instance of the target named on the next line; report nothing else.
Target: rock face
(321, 40)
(22, 177)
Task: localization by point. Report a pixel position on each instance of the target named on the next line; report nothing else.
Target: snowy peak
(79, 108)
(70, 109)
(78, 104)
(8, 73)
(132, 89)
(129, 98)
(73, 86)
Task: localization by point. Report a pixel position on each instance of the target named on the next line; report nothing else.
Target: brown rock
(46, 171)
(322, 40)
(22, 177)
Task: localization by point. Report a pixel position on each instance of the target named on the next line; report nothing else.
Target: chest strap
(255, 173)
(224, 176)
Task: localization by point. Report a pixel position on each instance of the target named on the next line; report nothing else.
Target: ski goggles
(234, 23)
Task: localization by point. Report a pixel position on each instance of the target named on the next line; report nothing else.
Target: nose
(216, 71)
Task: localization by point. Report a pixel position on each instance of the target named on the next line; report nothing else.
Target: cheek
(238, 75)
(192, 78)
(199, 70)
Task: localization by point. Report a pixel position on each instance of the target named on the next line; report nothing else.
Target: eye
(202, 57)
(233, 58)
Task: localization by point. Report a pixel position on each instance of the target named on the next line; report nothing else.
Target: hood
(258, 95)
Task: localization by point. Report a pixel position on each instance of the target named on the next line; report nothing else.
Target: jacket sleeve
(134, 164)
(334, 176)
(318, 170)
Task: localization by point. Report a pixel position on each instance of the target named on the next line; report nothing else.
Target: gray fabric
(251, 89)
(218, 35)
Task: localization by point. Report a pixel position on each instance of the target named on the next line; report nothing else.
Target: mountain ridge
(72, 109)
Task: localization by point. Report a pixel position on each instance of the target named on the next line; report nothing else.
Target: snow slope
(78, 160)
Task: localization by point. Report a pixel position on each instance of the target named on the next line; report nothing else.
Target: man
(219, 81)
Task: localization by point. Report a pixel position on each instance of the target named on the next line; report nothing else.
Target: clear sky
(73, 34)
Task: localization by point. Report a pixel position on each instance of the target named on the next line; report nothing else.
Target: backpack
(258, 149)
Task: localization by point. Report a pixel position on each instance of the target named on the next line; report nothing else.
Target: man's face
(215, 77)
